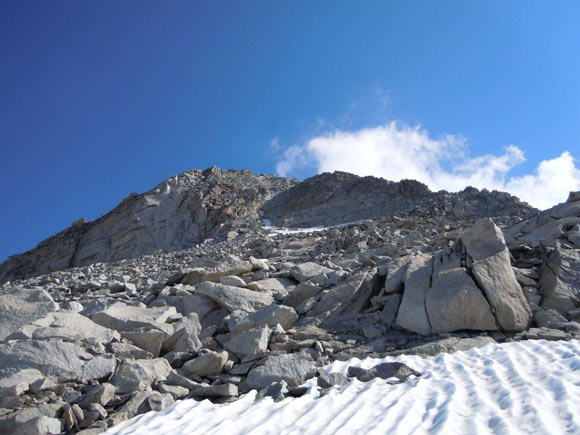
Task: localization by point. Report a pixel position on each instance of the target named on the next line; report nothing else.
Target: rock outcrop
(471, 288)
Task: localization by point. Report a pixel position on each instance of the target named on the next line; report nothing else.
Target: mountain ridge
(217, 204)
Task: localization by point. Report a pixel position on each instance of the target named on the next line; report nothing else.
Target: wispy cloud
(395, 151)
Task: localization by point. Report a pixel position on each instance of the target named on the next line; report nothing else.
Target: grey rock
(305, 271)
(277, 391)
(549, 318)
(99, 367)
(302, 292)
(339, 297)
(11, 402)
(211, 270)
(209, 363)
(126, 318)
(101, 394)
(176, 391)
(20, 306)
(492, 271)
(137, 375)
(390, 309)
(270, 316)
(329, 380)
(175, 379)
(42, 385)
(69, 325)
(149, 341)
(454, 303)
(199, 305)
(447, 345)
(99, 409)
(158, 402)
(560, 280)
(126, 350)
(145, 401)
(574, 314)
(36, 420)
(74, 306)
(546, 334)
(573, 197)
(186, 335)
(234, 298)
(17, 382)
(56, 359)
(277, 287)
(39, 426)
(232, 280)
(396, 272)
(483, 240)
(412, 313)
(292, 368)
(384, 371)
(339, 197)
(249, 342)
(221, 390)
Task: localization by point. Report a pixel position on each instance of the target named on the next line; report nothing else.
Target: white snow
(278, 230)
(513, 388)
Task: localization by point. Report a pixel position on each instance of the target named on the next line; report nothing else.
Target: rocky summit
(218, 282)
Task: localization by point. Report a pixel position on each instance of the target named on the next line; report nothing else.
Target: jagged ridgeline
(217, 205)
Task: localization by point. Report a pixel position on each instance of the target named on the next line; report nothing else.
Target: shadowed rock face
(217, 204)
(330, 199)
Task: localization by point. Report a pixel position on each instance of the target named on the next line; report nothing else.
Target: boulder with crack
(492, 271)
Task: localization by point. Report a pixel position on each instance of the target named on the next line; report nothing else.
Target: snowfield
(530, 387)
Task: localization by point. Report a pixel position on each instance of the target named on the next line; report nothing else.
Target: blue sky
(100, 99)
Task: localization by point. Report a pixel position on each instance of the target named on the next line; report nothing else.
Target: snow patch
(516, 388)
(278, 230)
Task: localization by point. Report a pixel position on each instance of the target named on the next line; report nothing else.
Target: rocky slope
(217, 204)
(86, 347)
(177, 214)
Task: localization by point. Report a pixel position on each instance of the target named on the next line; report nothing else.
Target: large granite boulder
(69, 325)
(454, 303)
(441, 295)
(492, 271)
(137, 375)
(126, 318)
(55, 359)
(20, 306)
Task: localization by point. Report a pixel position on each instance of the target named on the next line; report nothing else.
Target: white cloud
(396, 152)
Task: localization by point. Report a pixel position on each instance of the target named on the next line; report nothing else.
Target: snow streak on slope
(516, 388)
(276, 230)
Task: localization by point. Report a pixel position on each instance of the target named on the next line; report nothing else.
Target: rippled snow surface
(516, 388)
